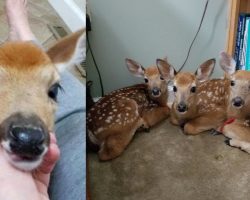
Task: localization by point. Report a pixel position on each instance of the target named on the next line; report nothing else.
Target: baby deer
(29, 83)
(238, 109)
(199, 103)
(114, 119)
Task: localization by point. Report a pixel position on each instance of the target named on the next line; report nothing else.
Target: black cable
(96, 66)
(204, 12)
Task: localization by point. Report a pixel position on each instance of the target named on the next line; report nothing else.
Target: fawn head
(239, 89)
(156, 77)
(29, 83)
(185, 86)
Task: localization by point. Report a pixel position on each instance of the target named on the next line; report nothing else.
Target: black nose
(182, 107)
(237, 101)
(155, 91)
(27, 141)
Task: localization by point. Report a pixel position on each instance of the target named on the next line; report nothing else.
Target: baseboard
(71, 14)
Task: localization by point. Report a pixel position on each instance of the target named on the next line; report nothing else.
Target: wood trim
(233, 23)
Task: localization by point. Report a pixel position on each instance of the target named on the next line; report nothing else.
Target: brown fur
(114, 119)
(24, 55)
(238, 131)
(27, 74)
(66, 45)
(206, 107)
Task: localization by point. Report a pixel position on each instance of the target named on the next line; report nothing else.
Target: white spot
(100, 130)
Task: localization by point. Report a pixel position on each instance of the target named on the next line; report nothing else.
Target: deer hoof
(214, 132)
(182, 125)
(227, 142)
(147, 130)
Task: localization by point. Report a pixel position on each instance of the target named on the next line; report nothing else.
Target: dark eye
(146, 80)
(193, 89)
(232, 83)
(53, 91)
(162, 78)
(174, 88)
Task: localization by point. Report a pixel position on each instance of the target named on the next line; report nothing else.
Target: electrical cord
(96, 66)
(203, 15)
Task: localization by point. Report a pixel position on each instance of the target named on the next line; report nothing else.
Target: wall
(72, 12)
(147, 29)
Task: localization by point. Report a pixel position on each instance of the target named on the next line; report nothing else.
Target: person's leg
(19, 28)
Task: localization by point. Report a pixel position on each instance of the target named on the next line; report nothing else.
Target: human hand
(20, 185)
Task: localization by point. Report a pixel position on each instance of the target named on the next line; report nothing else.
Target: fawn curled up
(114, 119)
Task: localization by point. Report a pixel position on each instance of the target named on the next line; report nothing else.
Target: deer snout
(182, 107)
(156, 92)
(27, 141)
(238, 102)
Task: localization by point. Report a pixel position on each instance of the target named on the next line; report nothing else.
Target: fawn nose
(26, 140)
(182, 107)
(238, 101)
(156, 91)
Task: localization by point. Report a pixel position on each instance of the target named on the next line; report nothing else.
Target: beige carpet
(165, 164)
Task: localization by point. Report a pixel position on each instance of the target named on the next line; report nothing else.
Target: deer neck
(161, 100)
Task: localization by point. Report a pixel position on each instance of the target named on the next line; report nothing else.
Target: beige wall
(148, 29)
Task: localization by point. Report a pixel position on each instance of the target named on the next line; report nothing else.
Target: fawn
(114, 119)
(29, 79)
(199, 103)
(238, 105)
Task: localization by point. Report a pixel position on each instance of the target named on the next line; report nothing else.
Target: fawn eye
(162, 78)
(193, 89)
(146, 80)
(232, 83)
(174, 88)
(53, 91)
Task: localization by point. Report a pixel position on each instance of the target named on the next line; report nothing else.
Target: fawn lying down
(238, 105)
(29, 83)
(199, 103)
(114, 119)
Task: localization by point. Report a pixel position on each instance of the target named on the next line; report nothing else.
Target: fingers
(51, 156)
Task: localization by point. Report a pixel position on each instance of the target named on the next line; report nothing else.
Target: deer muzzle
(238, 102)
(182, 107)
(25, 140)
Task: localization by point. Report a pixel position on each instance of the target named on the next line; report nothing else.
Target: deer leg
(244, 146)
(204, 123)
(174, 120)
(115, 143)
(155, 115)
(238, 132)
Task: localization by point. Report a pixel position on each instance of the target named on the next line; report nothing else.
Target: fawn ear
(166, 70)
(69, 50)
(135, 68)
(227, 63)
(205, 70)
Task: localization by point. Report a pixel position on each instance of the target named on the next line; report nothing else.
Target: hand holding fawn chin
(30, 81)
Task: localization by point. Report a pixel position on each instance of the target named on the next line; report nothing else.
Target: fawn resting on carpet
(114, 119)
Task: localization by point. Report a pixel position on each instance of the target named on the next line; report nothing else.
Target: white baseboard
(71, 14)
